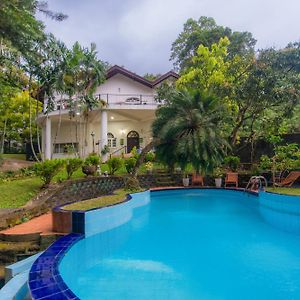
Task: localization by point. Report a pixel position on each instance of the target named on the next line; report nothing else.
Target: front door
(133, 140)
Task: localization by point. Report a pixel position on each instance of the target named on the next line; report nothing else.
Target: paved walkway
(41, 224)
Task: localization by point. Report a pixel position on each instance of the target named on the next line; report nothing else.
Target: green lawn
(119, 196)
(15, 156)
(286, 191)
(16, 193)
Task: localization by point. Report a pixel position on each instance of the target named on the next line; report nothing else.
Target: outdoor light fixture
(122, 131)
(112, 118)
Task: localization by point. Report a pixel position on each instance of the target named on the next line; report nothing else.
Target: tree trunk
(142, 156)
(3, 137)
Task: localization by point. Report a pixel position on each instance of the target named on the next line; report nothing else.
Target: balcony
(112, 100)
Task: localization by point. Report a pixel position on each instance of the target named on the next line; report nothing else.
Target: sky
(138, 34)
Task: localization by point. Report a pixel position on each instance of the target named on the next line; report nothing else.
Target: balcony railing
(111, 100)
(128, 99)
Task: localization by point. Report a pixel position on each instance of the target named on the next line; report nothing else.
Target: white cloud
(139, 34)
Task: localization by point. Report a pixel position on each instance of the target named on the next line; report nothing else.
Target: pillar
(48, 147)
(103, 136)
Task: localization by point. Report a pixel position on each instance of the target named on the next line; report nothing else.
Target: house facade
(122, 122)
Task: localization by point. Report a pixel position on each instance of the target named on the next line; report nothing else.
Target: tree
(206, 32)
(19, 27)
(188, 130)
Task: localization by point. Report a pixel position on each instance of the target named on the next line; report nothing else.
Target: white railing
(110, 99)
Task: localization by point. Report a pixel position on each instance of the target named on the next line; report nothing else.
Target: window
(111, 140)
(66, 148)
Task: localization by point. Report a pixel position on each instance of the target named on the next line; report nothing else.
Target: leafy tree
(151, 77)
(206, 32)
(19, 27)
(188, 131)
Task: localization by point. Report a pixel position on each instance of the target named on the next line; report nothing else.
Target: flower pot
(218, 182)
(89, 170)
(185, 181)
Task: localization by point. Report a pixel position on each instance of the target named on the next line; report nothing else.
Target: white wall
(120, 84)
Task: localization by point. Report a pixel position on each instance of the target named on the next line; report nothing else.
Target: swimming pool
(187, 244)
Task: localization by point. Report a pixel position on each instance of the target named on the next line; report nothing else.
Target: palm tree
(188, 130)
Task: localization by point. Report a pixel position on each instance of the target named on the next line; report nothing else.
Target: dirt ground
(11, 164)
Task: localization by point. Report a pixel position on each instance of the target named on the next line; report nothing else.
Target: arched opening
(133, 140)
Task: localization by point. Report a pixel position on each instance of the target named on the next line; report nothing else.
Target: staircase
(164, 178)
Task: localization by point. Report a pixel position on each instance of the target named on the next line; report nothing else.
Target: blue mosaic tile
(45, 282)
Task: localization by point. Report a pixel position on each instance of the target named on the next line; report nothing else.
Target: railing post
(141, 99)
(106, 98)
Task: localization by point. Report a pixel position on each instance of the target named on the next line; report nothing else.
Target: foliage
(188, 131)
(114, 164)
(131, 184)
(150, 156)
(218, 172)
(134, 152)
(105, 150)
(206, 32)
(149, 166)
(92, 160)
(286, 157)
(47, 169)
(208, 68)
(151, 77)
(232, 162)
(72, 165)
(129, 164)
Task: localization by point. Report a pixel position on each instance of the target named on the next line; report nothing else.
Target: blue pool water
(188, 244)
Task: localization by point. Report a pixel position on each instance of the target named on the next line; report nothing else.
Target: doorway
(133, 140)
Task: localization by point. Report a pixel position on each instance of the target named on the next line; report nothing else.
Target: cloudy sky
(138, 34)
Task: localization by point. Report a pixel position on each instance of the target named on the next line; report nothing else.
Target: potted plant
(218, 177)
(90, 165)
(186, 179)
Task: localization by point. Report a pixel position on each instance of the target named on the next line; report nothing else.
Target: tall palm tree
(188, 130)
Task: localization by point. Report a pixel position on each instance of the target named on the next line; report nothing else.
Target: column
(103, 136)
(48, 147)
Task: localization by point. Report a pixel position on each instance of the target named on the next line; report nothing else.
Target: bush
(47, 169)
(73, 164)
(114, 164)
(131, 184)
(92, 160)
(232, 162)
(134, 152)
(129, 164)
(150, 157)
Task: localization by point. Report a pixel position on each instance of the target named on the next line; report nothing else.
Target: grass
(16, 193)
(117, 197)
(286, 191)
(14, 156)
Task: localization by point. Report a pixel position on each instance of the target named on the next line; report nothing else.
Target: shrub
(131, 184)
(232, 162)
(150, 156)
(129, 164)
(114, 164)
(47, 169)
(134, 152)
(92, 160)
(73, 164)
(149, 166)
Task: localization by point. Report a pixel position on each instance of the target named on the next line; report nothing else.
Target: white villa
(123, 122)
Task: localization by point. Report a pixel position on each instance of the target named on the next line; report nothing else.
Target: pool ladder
(256, 183)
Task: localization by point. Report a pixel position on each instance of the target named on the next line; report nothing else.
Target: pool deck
(41, 225)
